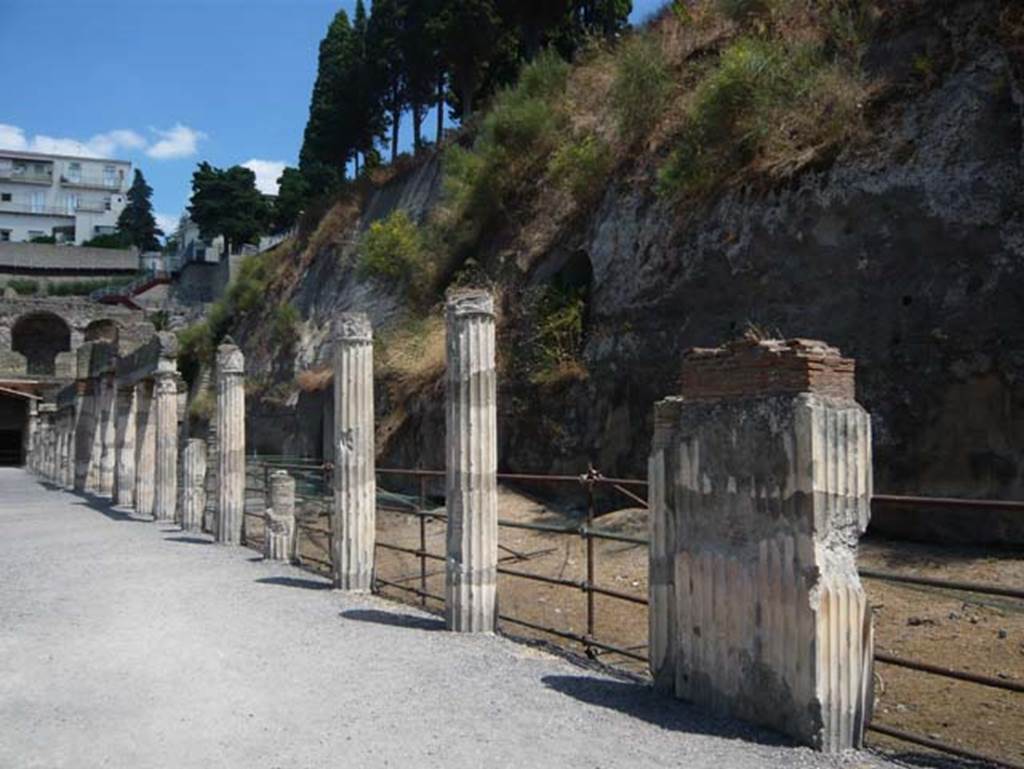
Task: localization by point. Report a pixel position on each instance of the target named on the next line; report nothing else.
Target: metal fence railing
(313, 501)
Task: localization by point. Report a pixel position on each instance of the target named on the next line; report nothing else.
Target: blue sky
(166, 83)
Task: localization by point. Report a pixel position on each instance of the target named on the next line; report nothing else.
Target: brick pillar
(355, 483)
(760, 483)
(471, 446)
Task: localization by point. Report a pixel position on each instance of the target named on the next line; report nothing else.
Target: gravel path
(126, 644)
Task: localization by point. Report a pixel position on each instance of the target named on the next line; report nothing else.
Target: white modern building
(70, 198)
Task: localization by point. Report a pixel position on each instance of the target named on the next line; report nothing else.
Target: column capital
(230, 359)
(466, 302)
(352, 327)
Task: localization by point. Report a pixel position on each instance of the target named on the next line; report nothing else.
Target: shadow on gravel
(640, 701)
(305, 584)
(409, 621)
(189, 540)
(106, 507)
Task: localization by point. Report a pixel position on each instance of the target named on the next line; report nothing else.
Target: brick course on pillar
(279, 519)
(471, 448)
(145, 448)
(124, 470)
(355, 484)
(230, 443)
(193, 484)
(760, 484)
(165, 408)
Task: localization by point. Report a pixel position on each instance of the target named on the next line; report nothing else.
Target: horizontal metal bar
(539, 578)
(312, 559)
(617, 650)
(944, 747)
(960, 675)
(413, 473)
(610, 535)
(575, 530)
(569, 636)
(980, 504)
(411, 551)
(970, 587)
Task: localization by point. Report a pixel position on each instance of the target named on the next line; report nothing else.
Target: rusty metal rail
(586, 530)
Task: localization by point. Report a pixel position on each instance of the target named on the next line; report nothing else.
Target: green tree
(601, 17)
(136, 222)
(535, 20)
(292, 194)
(473, 31)
(384, 47)
(329, 140)
(226, 202)
(421, 63)
(362, 93)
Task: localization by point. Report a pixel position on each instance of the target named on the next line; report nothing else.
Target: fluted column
(279, 519)
(355, 483)
(230, 443)
(124, 471)
(193, 480)
(85, 425)
(165, 406)
(32, 439)
(108, 435)
(471, 447)
(67, 452)
(760, 485)
(145, 448)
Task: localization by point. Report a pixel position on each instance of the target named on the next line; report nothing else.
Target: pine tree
(226, 202)
(472, 31)
(329, 139)
(136, 222)
(363, 93)
(292, 195)
(534, 20)
(386, 54)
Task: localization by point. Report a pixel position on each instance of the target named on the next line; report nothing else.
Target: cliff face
(906, 251)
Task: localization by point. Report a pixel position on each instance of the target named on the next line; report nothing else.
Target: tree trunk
(440, 107)
(417, 123)
(396, 120)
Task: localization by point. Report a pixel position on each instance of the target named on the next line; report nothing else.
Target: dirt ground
(958, 630)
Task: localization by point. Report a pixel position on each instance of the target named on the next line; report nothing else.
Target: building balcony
(28, 208)
(27, 177)
(91, 182)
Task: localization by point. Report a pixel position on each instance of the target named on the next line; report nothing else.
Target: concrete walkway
(125, 644)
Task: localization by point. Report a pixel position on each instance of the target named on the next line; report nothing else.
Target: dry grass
(315, 380)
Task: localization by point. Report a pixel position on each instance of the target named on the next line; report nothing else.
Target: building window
(109, 176)
(71, 202)
(5, 236)
(5, 197)
(33, 234)
(37, 201)
(74, 172)
(106, 203)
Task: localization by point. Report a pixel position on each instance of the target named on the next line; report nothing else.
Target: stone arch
(103, 330)
(40, 337)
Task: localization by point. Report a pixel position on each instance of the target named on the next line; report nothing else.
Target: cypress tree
(136, 223)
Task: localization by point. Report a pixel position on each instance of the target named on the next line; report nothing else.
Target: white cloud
(166, 222)
(267, 173)
(177, 142)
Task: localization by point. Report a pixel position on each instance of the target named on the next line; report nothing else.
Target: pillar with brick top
(760, 486)
(279, 519)
(355, 484)
(471, 446)
(193, 485)
(230, 443)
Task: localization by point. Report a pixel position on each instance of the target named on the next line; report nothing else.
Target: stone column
(760, 483)
(471, 447)
(145, 449)
(108, 435)
(165, 407)
(355, 484)
(124, 472)
(279, 519)
(230, 443)
(83, 432)
(193, 481)
(32, 439)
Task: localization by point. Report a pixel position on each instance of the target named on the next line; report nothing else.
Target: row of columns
(760, 485)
